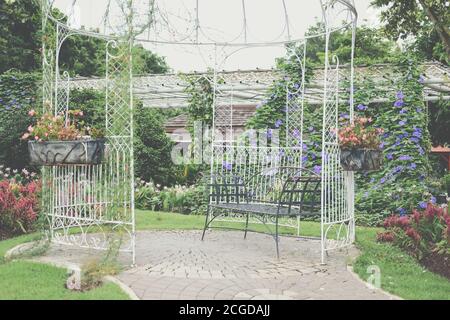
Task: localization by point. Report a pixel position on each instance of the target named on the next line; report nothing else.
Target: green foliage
(421, 233)
(24, 280)
(92, 103)
(85, 56)
(401, 274)
(19, 36)
(371, 46)
(152, 147)
(271, 113)
(180, 199)
(401, 183)
(446, 183)
(427, 20)
(200, 101)
(93, 271)
(18, 95)
(21, 41)
(439, 122)
(144, 61)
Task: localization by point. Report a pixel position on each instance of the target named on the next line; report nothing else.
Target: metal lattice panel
(95, 200)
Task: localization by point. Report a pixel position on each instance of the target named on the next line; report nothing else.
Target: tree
(20, 45)
(423, 19)
(20, 22)
(17, 97)
(371, 46)
(152, 147)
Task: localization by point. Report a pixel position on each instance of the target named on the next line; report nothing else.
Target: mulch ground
(4, 235)
(437, 263)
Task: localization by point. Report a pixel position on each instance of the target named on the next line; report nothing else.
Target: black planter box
(361, 159)
(49, 153)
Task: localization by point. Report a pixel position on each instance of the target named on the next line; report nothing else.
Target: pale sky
(219, 20)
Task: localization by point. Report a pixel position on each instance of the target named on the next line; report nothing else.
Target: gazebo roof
(248, 87)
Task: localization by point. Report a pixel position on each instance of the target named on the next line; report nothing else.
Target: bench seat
(263, 209)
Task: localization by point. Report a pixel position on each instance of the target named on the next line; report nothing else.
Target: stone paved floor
(178, 265)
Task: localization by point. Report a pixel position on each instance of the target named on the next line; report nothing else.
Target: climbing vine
(401, 184)
(201, 98)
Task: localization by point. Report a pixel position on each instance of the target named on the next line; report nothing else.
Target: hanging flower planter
(361, 159)
(360, 146)
(59, 140)
(49, 153)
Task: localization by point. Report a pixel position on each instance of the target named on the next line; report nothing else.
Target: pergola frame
(249, 86)
(115, 177)
(95, 200)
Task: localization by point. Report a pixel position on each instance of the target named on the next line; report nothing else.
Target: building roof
(241, 113)
(251, 86)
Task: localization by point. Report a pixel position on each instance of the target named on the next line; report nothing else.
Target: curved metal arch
(347, 6)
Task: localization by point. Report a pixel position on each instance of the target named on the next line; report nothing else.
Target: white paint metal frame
(91, 206)
(337, 187)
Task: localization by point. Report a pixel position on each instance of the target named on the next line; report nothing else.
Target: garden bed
(437, 263)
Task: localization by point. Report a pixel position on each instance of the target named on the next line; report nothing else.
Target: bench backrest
(290, 187)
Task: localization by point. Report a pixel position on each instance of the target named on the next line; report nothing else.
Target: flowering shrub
(50, 127)
(19, 203)
(359, 135)
(403, 182)
(420, 233)
(181, 199)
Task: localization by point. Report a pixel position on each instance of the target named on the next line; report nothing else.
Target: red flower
(18, 205)
(416, 216)
(413, 234)
(385, 236)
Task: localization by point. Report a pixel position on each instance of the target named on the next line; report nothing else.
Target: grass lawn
(146, 220)
(400, 273)
(23, 280)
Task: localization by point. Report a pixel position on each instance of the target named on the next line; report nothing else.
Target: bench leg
(246, 227)
(206, 222)
(277, 238)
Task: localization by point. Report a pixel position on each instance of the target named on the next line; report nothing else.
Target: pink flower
(25, 136)
(32, 113)
(30, 128)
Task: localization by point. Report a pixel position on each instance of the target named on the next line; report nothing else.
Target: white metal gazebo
(183, 25)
